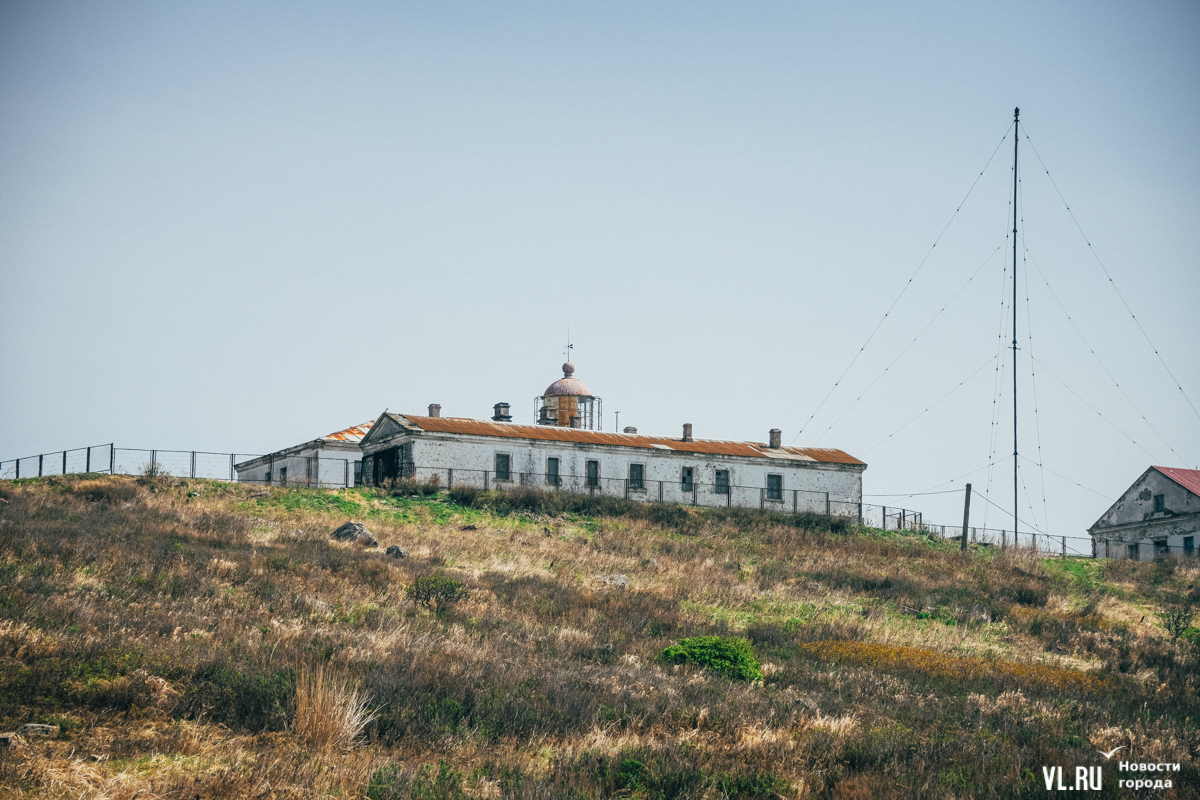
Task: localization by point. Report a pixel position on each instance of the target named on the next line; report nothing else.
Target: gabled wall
(1133, 520)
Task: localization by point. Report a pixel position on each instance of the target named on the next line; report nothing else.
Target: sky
(235, 226)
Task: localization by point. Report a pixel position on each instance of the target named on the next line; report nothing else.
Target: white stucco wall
(805, 482)
(306, 466)
(1133, 520)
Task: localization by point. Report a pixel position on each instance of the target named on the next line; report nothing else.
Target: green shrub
(760, 784)
(435, 592)
(251, 701)
(728, 655)
(390, 783)
(1029, 595)
(466, 496)
(405, 487)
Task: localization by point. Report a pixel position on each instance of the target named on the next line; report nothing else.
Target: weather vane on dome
(567, 350)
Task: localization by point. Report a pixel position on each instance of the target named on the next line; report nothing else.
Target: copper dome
(567, 385)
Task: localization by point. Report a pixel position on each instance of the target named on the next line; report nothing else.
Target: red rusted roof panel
(1187, 478)
(827, 455)
(354, 433)
(552, 433)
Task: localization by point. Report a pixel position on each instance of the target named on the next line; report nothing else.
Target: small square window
(687, 479)
(552, 472)
(503, 469)
(637, 475)
(774, 487)
(1160, 503)
(1189, 545)
(593, 473)
(722, 481)
(1133, 552)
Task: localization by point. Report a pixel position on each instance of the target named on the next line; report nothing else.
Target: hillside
(200, 639)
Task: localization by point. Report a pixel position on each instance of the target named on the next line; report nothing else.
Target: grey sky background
(237, 226)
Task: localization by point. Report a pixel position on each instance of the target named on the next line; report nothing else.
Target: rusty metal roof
(354, 433)
(1187, 478)
(547, 433)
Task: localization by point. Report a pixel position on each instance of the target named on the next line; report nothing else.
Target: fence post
(88, 468)
(660, 491)
(795, 501)
(966, 516)
(315, 466)
(449, 479)
(112, 459)
(231, 457)
(193, 463)
(345, 473)
(884, 518)
(827, 505)
(1064, 547)
(18, 469)
(762, 499)
(860, 522)
(729, 495)
(64, 469)
(695, 485)
(39, 465)
(903, 520)
(154, 459)
(485, 480)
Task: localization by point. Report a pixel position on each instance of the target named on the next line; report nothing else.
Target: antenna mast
(1016, 140)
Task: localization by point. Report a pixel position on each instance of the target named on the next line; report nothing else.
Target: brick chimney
(435, 409)
(501, 413)
(776, 438)
(687, 431)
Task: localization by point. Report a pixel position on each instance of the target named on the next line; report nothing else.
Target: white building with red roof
(1158, 515)
(566, 450)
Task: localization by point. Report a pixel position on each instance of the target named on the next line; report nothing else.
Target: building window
(357, 473)
(552, 472)
(1133, 551)
(1189, 545)
(1160, 503)
(722, 481)
(283, 476)
(637, 477)
(268, 477)
(593, 473)
(687, 479)
(1161, 548)
(503, 470)
(774, 487)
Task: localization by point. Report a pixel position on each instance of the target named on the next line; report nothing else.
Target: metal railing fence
(338, 473)
(323, 473)
(795, 501)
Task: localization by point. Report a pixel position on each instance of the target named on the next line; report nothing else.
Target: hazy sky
(237, 226)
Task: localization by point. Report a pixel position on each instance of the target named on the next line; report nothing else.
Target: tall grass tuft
(331, 711)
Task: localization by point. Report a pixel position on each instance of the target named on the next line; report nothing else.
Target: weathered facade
(1158, 515)
(455, 451)
(333, 460)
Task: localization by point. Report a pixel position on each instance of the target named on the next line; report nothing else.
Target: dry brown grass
(331, 710)
(161, 630)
